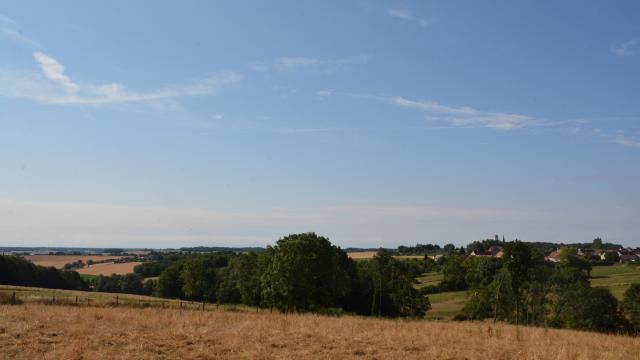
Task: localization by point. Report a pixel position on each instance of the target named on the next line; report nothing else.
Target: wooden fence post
(76, 300)
(117, 300)
(13, 298)
(53, 299)
(88, 301)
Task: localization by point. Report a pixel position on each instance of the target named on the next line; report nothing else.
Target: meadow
(78, 332)
(445, 305)
(109, 268)
(59, 261)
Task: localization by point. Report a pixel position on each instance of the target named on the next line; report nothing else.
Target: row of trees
(20, 272)
(302, 272)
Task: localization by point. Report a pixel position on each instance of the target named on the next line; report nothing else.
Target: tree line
(300, 273)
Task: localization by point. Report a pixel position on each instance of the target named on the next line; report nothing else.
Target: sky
(374, 123)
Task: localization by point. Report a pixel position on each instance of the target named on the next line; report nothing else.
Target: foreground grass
(67, 332)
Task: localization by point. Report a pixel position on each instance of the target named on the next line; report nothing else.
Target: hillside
(64, 332)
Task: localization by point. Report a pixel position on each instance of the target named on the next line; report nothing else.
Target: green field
(616, 278)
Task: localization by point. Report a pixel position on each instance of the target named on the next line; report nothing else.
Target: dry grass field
(109, 268)
(59, 261)
(66, 332)
(371, 254)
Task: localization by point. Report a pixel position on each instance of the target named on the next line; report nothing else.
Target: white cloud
(306, 64)
(625, 142)
(324, 93)
(406, 15)
(467, 116)
(54, 71)
(627, 49)
(53, 86)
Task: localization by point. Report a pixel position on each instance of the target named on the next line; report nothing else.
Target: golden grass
(109, 268)
(59, 261)
(66, 332)
(371, 254)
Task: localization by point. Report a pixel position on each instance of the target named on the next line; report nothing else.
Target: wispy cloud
(627, 48)
(53, 86)
(324, 93)
(406, 15)
(465, 116)
(9, 30)
(306, 64)
(621, 140)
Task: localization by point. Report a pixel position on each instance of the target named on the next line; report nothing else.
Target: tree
(597, 243)
(170, 282)
(631, 306)
(453, 274)
(585, 308)
(611, 257)
(449, 248)
(199, 278)
(306, 272)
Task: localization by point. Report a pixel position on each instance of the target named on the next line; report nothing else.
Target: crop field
(617, 278)
(370, 254)
(75, 332)
(59, 261)
(109, 268)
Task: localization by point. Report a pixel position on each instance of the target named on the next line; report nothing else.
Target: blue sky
(153, 123)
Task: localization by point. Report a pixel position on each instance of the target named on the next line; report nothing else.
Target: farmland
(70, 332)
(59, 261)
(360, 255)
(109, 268)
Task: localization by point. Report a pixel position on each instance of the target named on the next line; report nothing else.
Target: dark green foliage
(631, 306)
(585, 308)
(306, 272)
(454, 274)
(388, 286)
(126, 284)
(18, 271)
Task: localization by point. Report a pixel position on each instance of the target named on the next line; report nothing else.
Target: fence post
(13, 298)
(117, 300)
(53, 299)
(88, 301)
(180, 304)
(76, 300)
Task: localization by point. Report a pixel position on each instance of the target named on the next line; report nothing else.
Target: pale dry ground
(371, 254)
(109, 268)
(59, 261)
(57, 332)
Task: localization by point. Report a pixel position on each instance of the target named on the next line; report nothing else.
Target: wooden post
(53, 299)
(117, 300)
(88, 301)
(76, 300)
(180, 305)
(13, 298)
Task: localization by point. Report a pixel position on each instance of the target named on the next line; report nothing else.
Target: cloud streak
(301, 63)
(406, 15)
(9, 30)
(53, 87)
(627, 49)
(466, 117)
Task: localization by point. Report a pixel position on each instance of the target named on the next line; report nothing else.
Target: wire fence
(18, 297)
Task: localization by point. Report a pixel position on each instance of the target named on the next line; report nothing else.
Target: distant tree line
(20, 272)
(302, 272)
